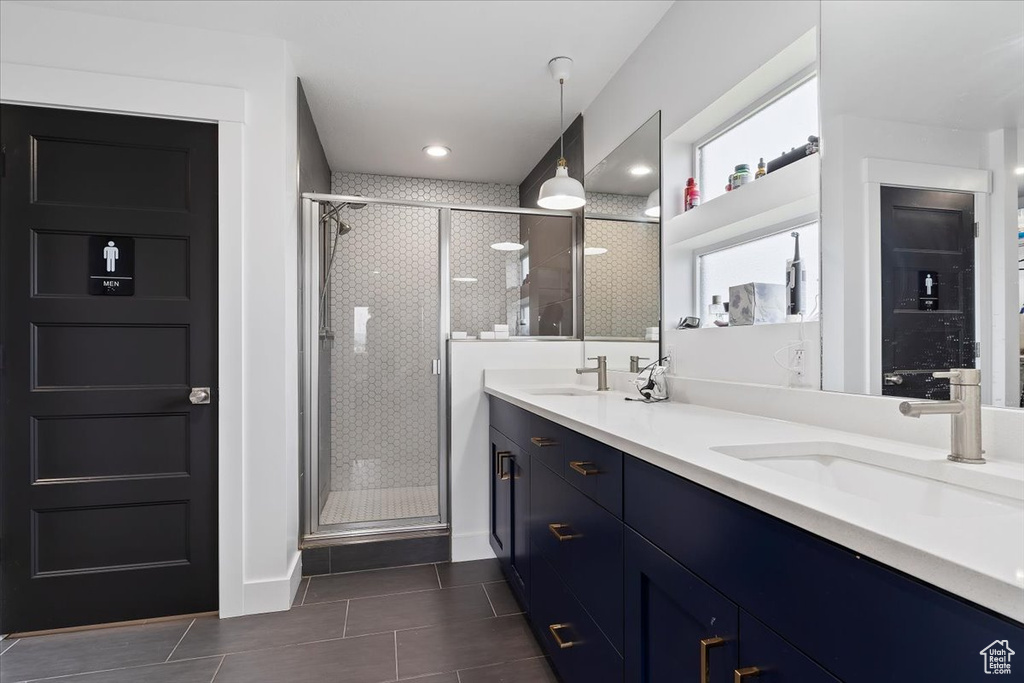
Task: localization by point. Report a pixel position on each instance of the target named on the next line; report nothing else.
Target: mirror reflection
(922, 109)
(622, 251)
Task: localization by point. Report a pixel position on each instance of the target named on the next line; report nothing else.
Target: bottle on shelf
(761, 169)
(691, 196)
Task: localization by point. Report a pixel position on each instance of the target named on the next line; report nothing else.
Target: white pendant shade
(653, 209)
(561, 192)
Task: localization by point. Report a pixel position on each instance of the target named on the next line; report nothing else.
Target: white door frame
(67, 89)
(878, 172)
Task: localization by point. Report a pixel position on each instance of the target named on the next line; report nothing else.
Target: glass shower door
(380, 344)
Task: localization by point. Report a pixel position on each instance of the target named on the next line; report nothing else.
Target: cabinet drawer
(578, 649)
(546, 441)
(775, 660)
(583, 543)
(596, 470)
(841, 609)
(510, 420)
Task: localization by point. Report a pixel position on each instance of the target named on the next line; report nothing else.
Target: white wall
(850, 275)
(758, 354)
(470, 420)
(697, 52)
(262, 68)
(683, 66)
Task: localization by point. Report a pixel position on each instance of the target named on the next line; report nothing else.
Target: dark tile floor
(444, 623)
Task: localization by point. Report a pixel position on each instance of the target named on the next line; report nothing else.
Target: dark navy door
(108, 320)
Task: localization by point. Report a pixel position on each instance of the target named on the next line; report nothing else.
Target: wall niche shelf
(781, 196)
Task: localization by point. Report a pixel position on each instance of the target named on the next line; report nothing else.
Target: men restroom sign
(927, 290)
(111, 265)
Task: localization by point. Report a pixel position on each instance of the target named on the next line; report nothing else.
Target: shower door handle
(435, 366)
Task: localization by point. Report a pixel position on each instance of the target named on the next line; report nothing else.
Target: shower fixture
(332, 219)
(561, 192)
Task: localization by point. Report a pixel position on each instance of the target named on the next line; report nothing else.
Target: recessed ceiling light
(594, 251)
(1019, 170)
(641, 169)
(507, 246)
(436, 151)
(463, 279)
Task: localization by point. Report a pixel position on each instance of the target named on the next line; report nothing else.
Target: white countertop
(971, 557)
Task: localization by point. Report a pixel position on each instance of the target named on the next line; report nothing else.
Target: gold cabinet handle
(705, 661)
(499, 458)
(584, 468)
(746, 672)
(558, 531)
(543, 441)
(562, 644)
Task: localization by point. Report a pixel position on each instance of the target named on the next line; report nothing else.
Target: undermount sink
(874, 475)
(562, 391)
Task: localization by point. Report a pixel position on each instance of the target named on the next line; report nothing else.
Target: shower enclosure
(376, 286)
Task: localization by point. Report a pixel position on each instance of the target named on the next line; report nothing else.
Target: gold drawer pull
(705, 661)
(558, 531)
(747, 672)
(562, 644)
(584, 468)
(499, 459)
(543, 441)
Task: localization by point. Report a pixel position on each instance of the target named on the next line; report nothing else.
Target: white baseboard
(466, 547)
(274, 595)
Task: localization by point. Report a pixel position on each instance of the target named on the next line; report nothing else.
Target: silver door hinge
(435, 366)
(977, 349)
(977, 230)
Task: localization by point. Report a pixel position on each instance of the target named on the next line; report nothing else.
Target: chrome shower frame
(311, 263)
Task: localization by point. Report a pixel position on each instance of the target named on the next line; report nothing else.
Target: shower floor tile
(379, 504)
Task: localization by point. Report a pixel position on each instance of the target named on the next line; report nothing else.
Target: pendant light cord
(561, 119)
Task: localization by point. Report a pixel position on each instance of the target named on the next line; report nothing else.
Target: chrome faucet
(965, 408)
(634, 363)
(601, 370)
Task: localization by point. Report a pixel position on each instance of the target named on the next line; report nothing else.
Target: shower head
(332, 215)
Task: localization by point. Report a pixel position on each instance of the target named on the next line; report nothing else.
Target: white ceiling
(384, 79)
(949, 64)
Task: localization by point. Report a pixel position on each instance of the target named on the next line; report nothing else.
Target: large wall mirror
(622, 251)
(922, 111)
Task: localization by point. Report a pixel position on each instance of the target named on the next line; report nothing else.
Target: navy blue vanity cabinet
(577, 648)
(764, 657)
(861, 621)
(545, 441)
(583, 544)
(519, 562)
(595, 469)
(677, 627)
(500, 497)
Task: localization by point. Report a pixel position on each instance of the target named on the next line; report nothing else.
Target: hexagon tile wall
(383, 302)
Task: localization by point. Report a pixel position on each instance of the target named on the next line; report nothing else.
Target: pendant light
(561, 192)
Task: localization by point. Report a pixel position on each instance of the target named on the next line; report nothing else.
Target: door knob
(892, 378)
(199, 396)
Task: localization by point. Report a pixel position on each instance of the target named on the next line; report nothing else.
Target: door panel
(927, 289)
(109, 472)
(669, 612)
(520, 522)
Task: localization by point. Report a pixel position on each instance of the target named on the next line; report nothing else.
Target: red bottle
(691, 197)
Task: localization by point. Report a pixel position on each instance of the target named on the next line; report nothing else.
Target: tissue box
(458, 335)
(487, 334)
(501, 328)
(757, 303)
